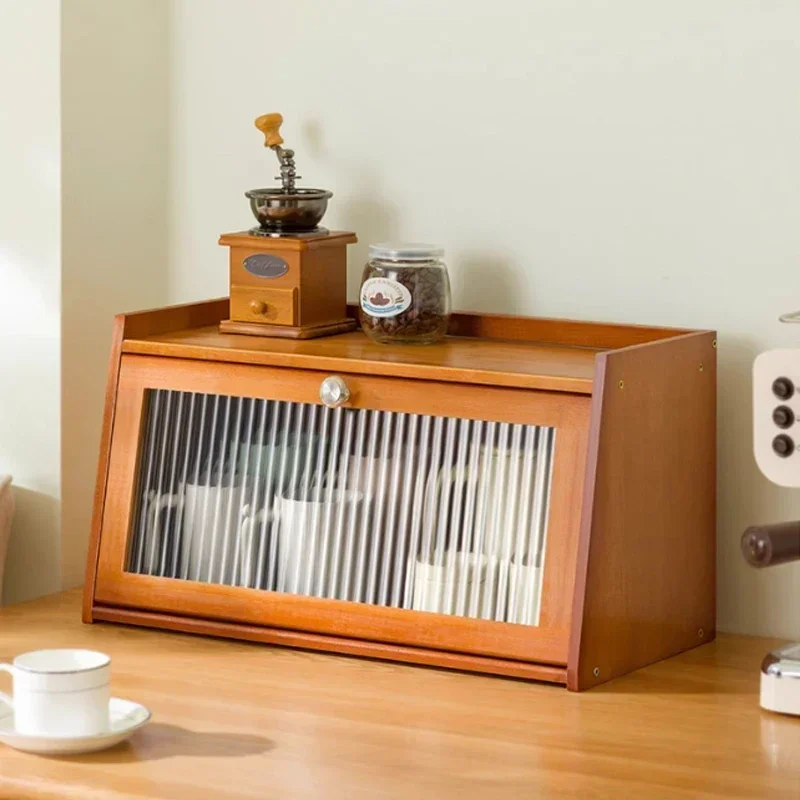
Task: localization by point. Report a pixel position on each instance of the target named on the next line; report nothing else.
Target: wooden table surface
(234, 720)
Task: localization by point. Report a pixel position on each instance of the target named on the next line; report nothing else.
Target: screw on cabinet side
(596, 672)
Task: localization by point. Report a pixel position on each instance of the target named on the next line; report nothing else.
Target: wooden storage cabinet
(504, 502)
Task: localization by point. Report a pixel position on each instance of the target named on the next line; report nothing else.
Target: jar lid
(405, 251)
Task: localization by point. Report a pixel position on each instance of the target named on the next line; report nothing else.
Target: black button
(783, 417)
(782, 388)
(783, 445)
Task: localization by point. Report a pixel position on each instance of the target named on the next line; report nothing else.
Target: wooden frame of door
(546, 643)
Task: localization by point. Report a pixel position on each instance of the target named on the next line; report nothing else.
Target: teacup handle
(7, 698)
(157, 506)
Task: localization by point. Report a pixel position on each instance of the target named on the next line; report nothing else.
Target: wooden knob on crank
(270, 126)
(258, 306)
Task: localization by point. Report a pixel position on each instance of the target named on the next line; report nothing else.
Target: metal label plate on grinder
(263, 265)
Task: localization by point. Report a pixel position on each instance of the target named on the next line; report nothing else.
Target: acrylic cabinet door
(418, 514)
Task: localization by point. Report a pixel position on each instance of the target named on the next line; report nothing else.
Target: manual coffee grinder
(288, 275)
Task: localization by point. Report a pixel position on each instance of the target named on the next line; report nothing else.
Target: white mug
(308, 561)
(456, 586)
(211, 521)
(210, 524)
(60, 692)
(524, 587)
(492, 524)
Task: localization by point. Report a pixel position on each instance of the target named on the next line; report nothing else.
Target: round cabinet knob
(334, 392)
(258, 306)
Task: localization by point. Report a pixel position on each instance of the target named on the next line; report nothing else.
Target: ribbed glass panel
(435, 514)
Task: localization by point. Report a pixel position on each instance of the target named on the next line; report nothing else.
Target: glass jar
(405, 294)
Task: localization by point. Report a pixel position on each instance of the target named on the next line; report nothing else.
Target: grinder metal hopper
(288, 209)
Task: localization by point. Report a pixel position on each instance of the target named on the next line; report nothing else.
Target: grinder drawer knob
(258, 306)
(334, 392)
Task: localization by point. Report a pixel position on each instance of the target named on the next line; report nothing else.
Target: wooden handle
(270, 125)
(258, 306)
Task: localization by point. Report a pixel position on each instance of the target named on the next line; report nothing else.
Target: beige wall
(623, 161)
(115, 94)
(30, 270)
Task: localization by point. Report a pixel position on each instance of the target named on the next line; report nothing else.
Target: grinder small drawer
(272, 306)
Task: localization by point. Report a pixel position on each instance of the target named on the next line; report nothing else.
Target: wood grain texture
(543, 330)
(271, 306)
(323, 284)
(285, 331)
(563, 523)
(500, 327)
(232, 721)
(98, 502)
(646, 579)
(545, 644)
(488, 349)
(334, 644)
(245, 239)
(474, 361)
(499, 404)
(339, 618)
(174, 318)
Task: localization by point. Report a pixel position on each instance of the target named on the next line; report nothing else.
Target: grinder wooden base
(287, 331)
(288, 287)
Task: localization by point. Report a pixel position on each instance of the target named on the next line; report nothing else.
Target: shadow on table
(159, 741)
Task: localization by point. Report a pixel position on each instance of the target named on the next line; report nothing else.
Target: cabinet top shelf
(492, 350)
(477, 361)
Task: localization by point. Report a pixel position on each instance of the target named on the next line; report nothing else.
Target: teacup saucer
(125, 717)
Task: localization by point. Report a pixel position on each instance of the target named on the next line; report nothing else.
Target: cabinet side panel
(323, 291)
(649, 528)
(102, 466)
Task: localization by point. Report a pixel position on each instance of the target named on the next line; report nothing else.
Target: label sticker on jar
(382, 297)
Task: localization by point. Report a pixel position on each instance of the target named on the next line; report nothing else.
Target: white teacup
(60, 692)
